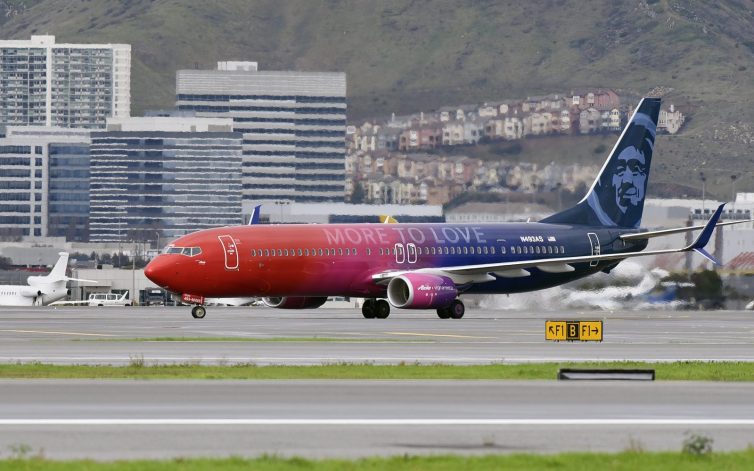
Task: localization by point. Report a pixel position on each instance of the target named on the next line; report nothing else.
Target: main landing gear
(456, 310)
(380, 309)
(198, 312)
(375, 309)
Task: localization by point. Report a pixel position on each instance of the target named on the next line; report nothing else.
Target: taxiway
(114, 335)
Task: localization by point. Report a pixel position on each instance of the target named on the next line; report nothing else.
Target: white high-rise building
(67, 85)
(293, 125)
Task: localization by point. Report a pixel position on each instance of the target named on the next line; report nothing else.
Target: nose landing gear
(198, 312)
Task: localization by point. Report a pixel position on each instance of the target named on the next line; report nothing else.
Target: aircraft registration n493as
(428, 266)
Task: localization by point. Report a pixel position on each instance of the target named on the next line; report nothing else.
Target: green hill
(406, 56)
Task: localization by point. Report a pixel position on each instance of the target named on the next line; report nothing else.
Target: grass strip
(743, 460)
(139, 369)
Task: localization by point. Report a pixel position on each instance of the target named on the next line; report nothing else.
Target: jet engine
(30, 291)
(288, 302)
(419, 291)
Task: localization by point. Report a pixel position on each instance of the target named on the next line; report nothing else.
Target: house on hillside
(589, 121)
(670, 121)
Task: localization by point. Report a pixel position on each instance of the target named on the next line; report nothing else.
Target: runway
(347, 419)
(163, 419)
(111, 335)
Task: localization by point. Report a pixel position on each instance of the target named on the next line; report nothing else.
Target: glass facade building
(23, 187)
(68, 191)
(293, 126)
(66, 85)
(149, 184)
(44, 182)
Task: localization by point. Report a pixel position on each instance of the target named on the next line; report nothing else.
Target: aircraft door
(595, 243)
(411, 253)
(400, 253)
(231, 252)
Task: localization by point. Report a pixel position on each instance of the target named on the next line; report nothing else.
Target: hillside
(405, 56)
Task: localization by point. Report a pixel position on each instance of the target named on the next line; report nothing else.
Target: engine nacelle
(418, 291)
(296, 302)
(30, 292)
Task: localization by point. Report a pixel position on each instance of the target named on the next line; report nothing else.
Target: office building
(157, 178)
(44, 183)
(66, 85)
(293, 126)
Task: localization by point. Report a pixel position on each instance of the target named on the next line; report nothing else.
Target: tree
(358, 195)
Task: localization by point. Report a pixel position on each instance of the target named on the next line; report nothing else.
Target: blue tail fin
(616, 198)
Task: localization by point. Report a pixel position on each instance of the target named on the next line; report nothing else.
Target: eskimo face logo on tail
(630, 178)
(618, 199)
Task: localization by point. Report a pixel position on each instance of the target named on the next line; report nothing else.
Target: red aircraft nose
(158, 271)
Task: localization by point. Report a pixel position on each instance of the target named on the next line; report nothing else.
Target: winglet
(254, 219)
(703, 238)
(708, 256)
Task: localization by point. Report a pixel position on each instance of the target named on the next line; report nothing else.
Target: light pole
(733, 181)
(281, 203)
(704, 181)
(134, 302)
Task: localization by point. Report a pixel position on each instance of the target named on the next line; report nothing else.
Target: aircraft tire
(457, 309)
(198, 312)
(381, 309)
(368, 309)
(443, 313)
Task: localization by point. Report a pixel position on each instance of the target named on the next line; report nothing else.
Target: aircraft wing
(515, 269)
(664, 232)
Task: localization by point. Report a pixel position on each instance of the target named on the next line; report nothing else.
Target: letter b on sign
(572, 331)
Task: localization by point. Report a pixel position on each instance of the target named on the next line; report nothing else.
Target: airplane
(428, 266)
(40, 290)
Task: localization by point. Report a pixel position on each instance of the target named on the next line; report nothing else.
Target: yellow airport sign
(584, 331)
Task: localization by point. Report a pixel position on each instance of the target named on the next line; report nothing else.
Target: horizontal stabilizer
(81, 279)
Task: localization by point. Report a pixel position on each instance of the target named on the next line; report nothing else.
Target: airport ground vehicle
(108, 299)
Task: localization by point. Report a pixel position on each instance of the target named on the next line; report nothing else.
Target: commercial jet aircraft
(40, 290)
(427, 266)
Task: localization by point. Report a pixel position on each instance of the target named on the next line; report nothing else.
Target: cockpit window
(188, 251)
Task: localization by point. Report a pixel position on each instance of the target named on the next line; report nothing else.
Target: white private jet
(40, 290)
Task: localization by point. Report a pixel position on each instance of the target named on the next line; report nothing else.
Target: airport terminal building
(293, 126)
